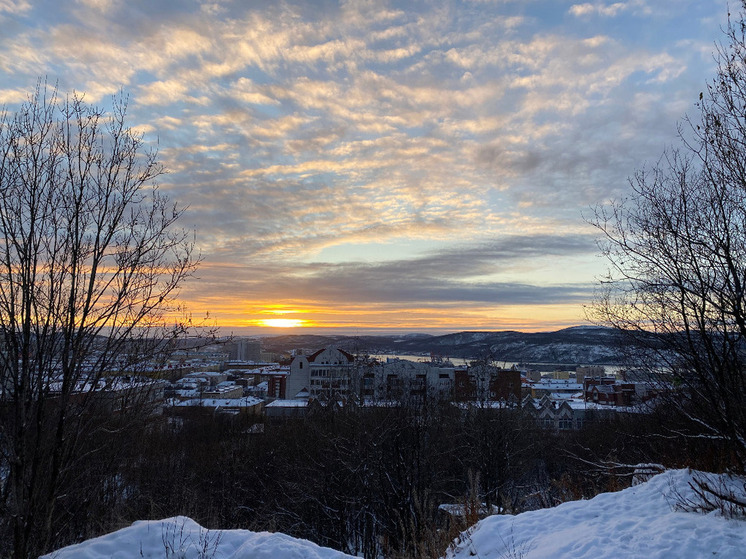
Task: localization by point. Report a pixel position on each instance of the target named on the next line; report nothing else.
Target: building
(285, 409)
(233, 406)
(559, 388)
(328, 372)
(486, 382)
(267, 380)
(243, 349)
(331, 373)
(116, 394)
(505, 384)
(589, 371)
(223, 390)
(403, 380)
(611, 392)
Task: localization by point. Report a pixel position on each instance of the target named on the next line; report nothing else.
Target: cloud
(609, 10)
(162, 93)
(18, 56)
(296, 129)
(453, 276)
(13, 96)
(103, 6)
(14, 6)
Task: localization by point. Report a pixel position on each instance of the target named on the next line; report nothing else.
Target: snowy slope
(641, 521)
(182, 538)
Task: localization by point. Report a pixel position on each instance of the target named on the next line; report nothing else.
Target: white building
(328, 372)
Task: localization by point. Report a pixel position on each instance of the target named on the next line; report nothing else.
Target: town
(234, 377)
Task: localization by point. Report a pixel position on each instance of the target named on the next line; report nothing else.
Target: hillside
(641, 521)
(182, 538)
(576, 345)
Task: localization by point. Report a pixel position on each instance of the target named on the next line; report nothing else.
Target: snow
(243, 402)
(183, 538)
(644, 520)
(288, 404)
(641, 521)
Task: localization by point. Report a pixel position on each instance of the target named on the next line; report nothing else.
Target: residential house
(612, 392)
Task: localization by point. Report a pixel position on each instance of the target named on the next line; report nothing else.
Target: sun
(282, 322)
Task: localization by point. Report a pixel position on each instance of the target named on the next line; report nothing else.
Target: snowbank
(183, 538)
(641, 521)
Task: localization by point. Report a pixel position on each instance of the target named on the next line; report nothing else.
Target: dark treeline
(365, 481)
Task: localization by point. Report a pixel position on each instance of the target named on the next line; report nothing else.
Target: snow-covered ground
(183, 538)
(642, 521)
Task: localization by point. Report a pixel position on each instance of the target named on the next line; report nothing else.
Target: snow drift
(182, 538)
(645, 520)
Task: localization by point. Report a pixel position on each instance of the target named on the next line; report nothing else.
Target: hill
(642, 521)
(576, 345)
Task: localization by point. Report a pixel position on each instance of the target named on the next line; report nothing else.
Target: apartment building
(328, 372)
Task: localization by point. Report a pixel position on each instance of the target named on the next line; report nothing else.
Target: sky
(373, 166)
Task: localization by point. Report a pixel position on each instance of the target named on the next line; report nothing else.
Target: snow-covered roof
(605, 388)
(110, 384)
(287, 404)
(247, 402)
(555, 384)
(204, 374)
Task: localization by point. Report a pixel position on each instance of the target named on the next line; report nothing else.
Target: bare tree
(677, 253)
(90, 263)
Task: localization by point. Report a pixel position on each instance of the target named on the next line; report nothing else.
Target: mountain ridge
(574, 345)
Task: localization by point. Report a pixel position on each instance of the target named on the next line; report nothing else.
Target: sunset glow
(282, 322)
(360, 166)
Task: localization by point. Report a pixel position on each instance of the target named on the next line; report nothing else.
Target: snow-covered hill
(641, 521)
(183, 538)
(576, 345)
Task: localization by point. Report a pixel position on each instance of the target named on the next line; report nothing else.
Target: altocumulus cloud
(443, 153)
